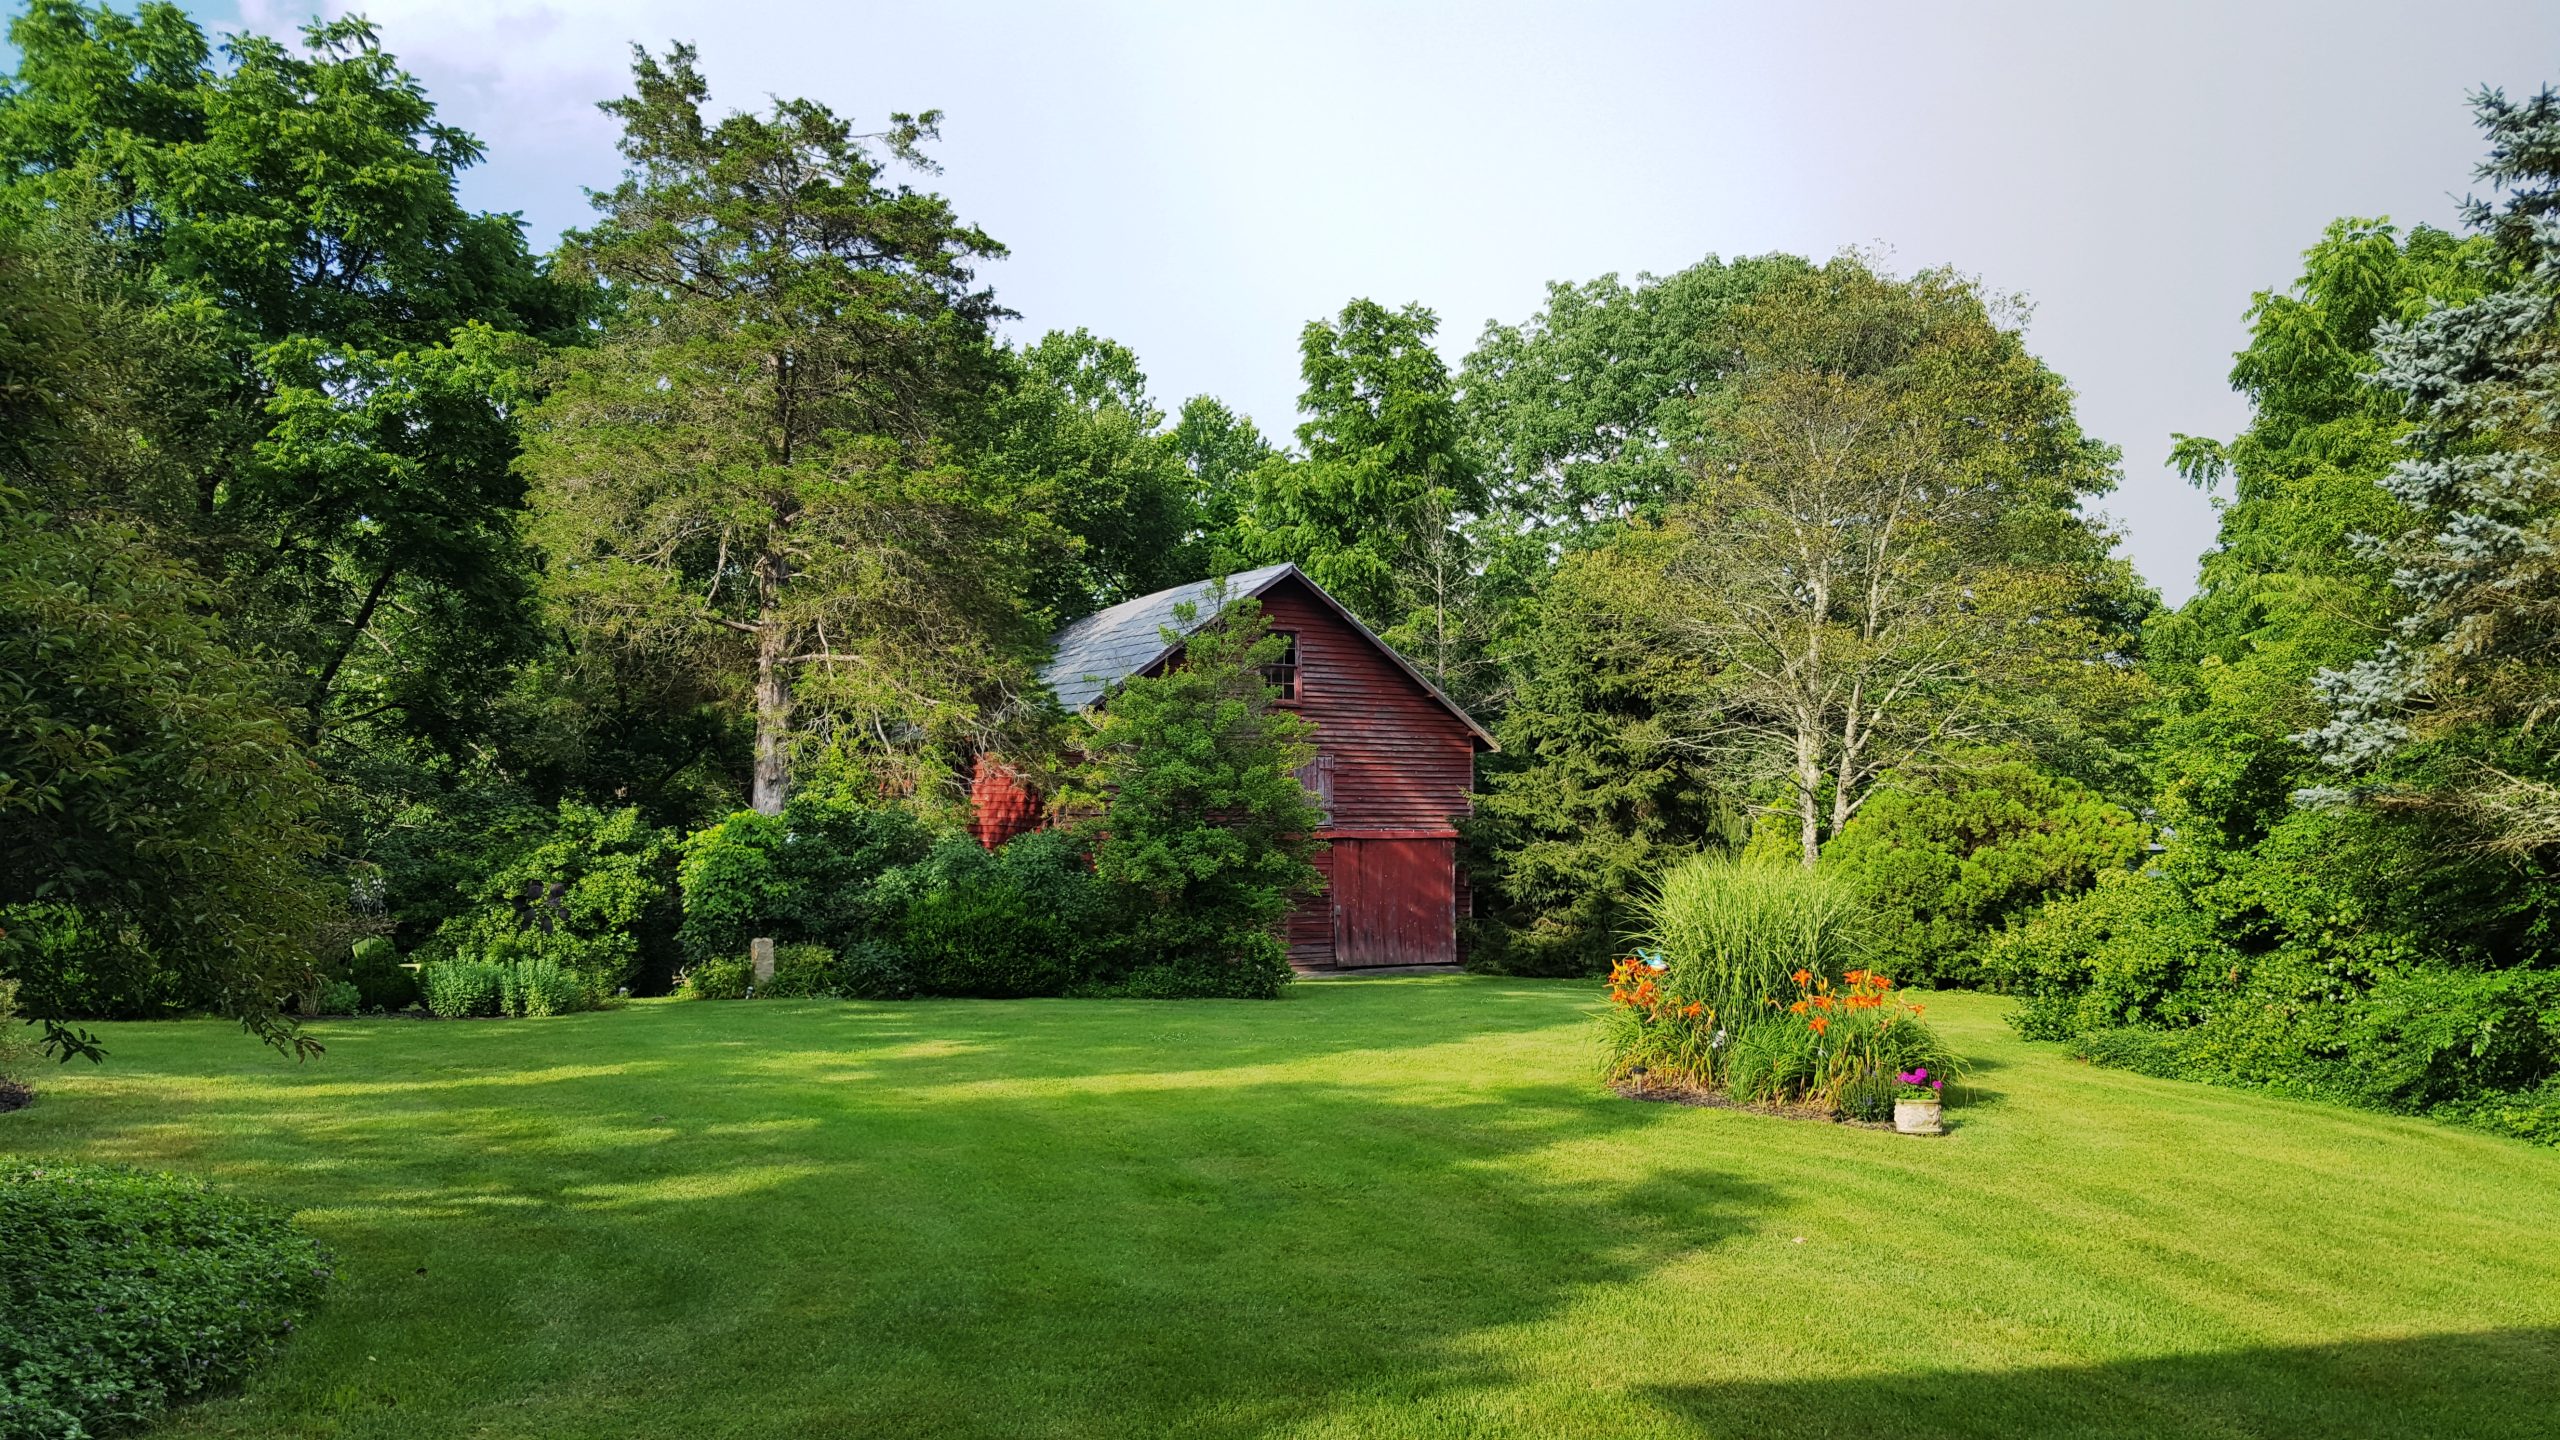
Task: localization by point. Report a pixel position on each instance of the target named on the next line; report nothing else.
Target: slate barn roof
(1088, 658)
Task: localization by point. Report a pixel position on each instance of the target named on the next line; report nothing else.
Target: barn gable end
(1395, 766)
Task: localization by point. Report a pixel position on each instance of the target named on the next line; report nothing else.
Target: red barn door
(1395, 902)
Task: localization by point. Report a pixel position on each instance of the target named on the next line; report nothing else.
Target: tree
(1205, 829)
(2284, 593)
(149, 792)
(2474, 660)
(1593, 412)
(1078, 439)
(1222, 450)
(1372, 511)
(335, 443)
(1593, 794)
(743, 474)
(1882, 532)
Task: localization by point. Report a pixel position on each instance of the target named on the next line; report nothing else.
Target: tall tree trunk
(1809, 791)
(773, 690)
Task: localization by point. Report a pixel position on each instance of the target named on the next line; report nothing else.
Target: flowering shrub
(1918, 1084)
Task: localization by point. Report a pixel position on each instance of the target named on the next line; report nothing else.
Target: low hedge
(129, 1292)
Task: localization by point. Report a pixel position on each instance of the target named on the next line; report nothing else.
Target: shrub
(1943, 865)
(381, 981)
(874, 970)
(725, 978)
(462, 989)
(18, 1050)
(807, 874)
(337, 997)
(801, 972)
(1029, 919)
(597, 897)
(130, 1292)
(1256, 977)
(542, 987)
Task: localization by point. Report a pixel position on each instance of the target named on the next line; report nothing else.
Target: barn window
(1283, 672)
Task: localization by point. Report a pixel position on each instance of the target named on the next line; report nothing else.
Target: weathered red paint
(1400, 766)
(1403, 774)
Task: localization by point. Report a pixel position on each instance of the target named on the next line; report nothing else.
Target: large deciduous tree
(333, 443)
(745, 474)
(1375, 508)
(1883, 540)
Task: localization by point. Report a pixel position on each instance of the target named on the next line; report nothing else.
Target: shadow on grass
(2495, 1385)
(929, 1220)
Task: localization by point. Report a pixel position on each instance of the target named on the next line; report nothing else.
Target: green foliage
(131, 1292)
(338, 342)
(1942, 864)
(382, 982)
(462, 989)
(802, 972)
(484, 989)
(723, 977)
(596, 896)
(1591, 412)
(19, 1046)
(1735, 934)
(337, 997)
(1029, 919)
(804, 875)
(1594, 791)
(147, 785)
(1078, 437)
(1207, 833)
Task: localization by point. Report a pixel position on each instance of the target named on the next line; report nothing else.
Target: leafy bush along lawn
(127, 1292)
(1398, 1208)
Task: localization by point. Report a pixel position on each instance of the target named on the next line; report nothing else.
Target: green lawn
(1376, 1208)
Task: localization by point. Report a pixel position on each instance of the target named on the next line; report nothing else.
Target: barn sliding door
(1395, 902)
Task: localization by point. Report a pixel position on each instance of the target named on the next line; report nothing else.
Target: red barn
(1394, 769)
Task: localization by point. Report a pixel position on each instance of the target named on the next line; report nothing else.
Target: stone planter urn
(1918, 1117)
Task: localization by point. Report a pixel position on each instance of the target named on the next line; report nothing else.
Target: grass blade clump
(1735, 934)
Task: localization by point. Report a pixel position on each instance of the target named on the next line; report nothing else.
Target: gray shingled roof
(1093, 654)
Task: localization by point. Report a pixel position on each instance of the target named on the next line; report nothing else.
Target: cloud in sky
(1200, 180)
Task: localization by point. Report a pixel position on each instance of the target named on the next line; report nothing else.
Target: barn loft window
(1283, 672)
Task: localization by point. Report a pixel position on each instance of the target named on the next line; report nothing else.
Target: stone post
(761, 948)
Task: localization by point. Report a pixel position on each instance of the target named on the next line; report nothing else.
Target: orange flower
(1797, 1008)
(1918, 1009)
(1694, 1008)
(1855, 976)
(1819, 1024)
(1821, 1002)
(1803, 975)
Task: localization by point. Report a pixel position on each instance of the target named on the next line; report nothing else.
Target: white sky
(1199, 179)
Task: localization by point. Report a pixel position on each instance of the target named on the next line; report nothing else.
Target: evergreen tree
(746, 475)
(1205, 830)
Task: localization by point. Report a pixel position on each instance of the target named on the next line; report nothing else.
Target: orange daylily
(1819, 1024)
(1803, 975)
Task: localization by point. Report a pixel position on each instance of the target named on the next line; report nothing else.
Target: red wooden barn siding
(1403, 766)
